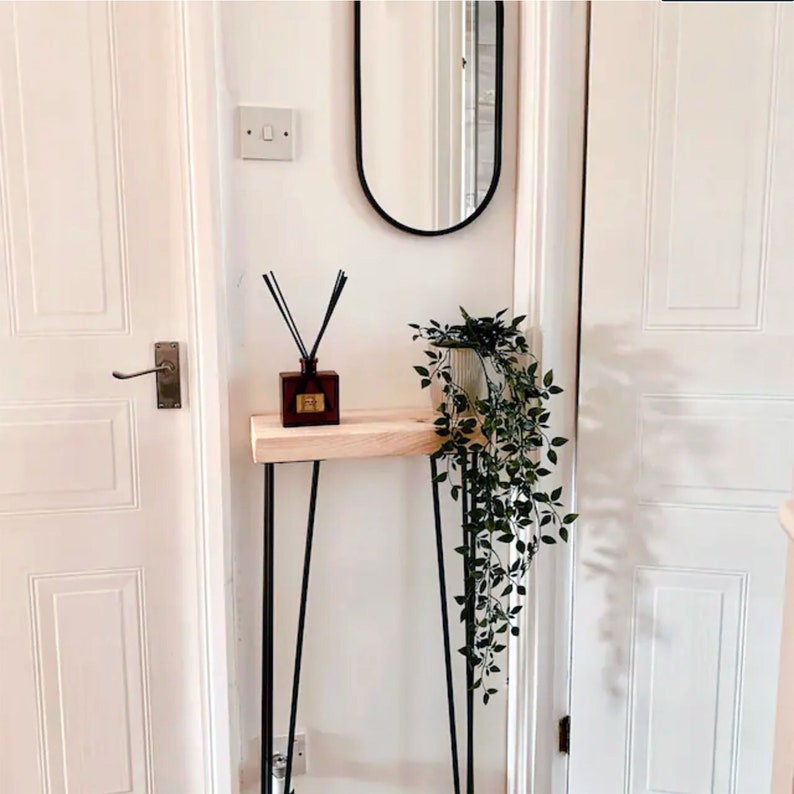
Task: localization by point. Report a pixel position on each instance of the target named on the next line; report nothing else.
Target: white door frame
(552, 112)
(197, 47)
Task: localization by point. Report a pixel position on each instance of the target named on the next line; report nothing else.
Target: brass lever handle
(165, 367)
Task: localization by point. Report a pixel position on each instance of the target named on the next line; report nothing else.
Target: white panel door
(686, 428)
(99, 664)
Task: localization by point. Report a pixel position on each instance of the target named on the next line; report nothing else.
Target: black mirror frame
(499, 99)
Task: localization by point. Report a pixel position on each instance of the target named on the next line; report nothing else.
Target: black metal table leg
(296, 676)
(442, 584)
(266, 786)
(469, 594)
(472, 539)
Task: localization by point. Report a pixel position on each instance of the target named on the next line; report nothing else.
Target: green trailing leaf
(508, 499)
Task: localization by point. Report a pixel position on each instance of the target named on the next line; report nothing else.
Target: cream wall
(373, 699)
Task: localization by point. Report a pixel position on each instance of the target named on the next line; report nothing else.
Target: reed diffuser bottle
(308, 397)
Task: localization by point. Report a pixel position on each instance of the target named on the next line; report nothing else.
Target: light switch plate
(266, 133)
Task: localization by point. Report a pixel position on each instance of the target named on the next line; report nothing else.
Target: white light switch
(266, 133)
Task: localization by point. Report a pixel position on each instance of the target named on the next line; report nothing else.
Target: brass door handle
(166, 369)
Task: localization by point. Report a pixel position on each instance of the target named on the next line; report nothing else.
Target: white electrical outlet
(266, 133)
(300, 760)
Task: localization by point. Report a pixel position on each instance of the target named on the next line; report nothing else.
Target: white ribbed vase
(466, 371)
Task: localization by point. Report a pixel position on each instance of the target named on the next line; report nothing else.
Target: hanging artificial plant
(497, 456)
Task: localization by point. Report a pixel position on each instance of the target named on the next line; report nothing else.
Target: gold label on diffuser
(310, 403)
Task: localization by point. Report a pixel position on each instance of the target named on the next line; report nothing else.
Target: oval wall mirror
(428, 85)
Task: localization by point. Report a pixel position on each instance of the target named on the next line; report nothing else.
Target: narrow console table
(361, 434)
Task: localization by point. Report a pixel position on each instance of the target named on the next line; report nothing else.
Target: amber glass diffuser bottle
(308, 397)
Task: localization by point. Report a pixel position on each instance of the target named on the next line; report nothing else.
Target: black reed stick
(339, 285)
(341, 279)
(282, 310)
(289, 313)
(282, 305)
(278, 299)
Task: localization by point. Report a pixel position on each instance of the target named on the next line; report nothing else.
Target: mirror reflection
(429, 88)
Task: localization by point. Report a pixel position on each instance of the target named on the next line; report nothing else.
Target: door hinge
(564, 734)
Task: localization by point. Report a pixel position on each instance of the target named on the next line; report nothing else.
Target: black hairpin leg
(469, 594)
(296, 676)
(267, 632)
(471, 599)
(442, 584)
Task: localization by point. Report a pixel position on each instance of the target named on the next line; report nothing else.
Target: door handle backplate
(166, 370)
